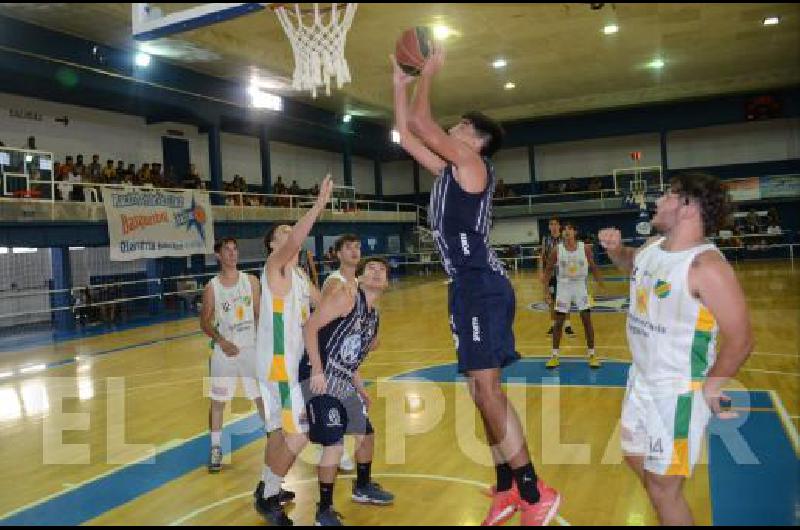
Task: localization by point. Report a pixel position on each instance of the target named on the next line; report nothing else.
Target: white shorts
(285, 407)
(668, 430)
(568, 293)
(224, 372)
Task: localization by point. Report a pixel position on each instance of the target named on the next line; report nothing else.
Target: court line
(788, 425)
(73, 360)
(163, 448)
(442, 478)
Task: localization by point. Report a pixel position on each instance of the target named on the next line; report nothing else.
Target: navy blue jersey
(344, 344)
(460, 222)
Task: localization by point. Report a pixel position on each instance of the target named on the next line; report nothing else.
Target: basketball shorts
(225, 372)
(667, 429)
(569, 293)
(482, 307)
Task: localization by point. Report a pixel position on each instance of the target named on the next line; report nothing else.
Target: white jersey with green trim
(671, 334)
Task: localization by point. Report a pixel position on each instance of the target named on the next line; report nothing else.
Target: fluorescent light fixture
(656, 64)
(441, 32)
(510, 86)
(500, 63)
(610, 29)
(143, 59)
(771, 21)
(264, 100)
(32, 369)
(23, 250)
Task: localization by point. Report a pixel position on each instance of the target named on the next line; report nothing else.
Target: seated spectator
(80, 168)
(66, 169)
(120, 169)
(294, 189)
(192, 180)
(753, 223)
(596, 184)
(109, 174)
(131, 176)
(94, 172)
(143, 177)
(279, 188)
(156, 176)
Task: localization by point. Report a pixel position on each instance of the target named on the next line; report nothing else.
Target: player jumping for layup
(482, 302)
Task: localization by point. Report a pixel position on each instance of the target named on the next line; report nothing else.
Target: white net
(318, 38)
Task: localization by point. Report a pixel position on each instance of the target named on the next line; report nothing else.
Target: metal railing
(74, 192)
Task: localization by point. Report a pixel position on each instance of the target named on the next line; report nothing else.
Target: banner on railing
(746, 189)
(158, 223)
(775, 186)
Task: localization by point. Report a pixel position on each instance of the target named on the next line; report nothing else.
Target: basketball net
(318, 46)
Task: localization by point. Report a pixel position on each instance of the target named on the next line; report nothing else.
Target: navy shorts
(330, 418)
(482, 307)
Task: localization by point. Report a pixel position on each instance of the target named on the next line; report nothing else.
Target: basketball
(413, 48)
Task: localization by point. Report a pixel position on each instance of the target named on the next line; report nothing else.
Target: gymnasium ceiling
(558, 56)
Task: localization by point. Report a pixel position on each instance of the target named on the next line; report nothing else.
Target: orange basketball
(413, 48)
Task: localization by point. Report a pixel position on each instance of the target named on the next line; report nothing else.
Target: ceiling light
(771, 21)
(610, 29)
(510, 86)
(264, 100)
(500, 63)
(346, 118)
(441, 32)
(656, 64)
(142, 59)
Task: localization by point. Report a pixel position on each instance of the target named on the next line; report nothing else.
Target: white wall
(398, 177)
(306, 166)
(514, 231)
(600, 156)
(241, 155)
(739, 143)
(109, 134)
(511, 165)
(364, 175)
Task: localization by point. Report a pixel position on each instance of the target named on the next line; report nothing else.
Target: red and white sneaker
(542, 512)
(504, 505)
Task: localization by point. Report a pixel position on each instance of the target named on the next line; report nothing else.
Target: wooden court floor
(112, 429)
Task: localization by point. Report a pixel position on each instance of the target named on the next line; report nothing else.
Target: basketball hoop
(318, 46)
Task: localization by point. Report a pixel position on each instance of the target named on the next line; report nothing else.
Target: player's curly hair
(709, 193)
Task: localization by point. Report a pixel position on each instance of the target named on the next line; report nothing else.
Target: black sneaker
(328, 517)
(550, 331)
(284, 496)
(569, 331)
(272, 511)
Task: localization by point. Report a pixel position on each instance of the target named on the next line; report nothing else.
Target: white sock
(555, 352)
(216, 438)
(272, 482)
(591, 352)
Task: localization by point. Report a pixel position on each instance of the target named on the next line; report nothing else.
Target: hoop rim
(308, 10)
